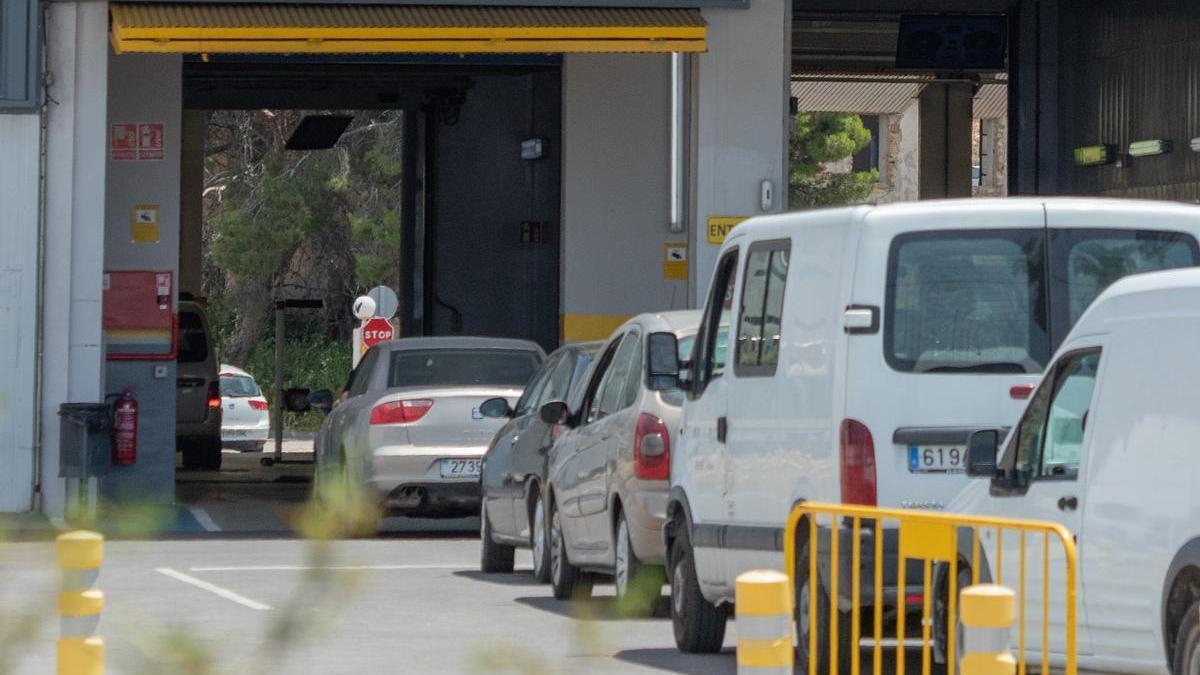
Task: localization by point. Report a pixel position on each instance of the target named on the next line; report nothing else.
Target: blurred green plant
(819, 139)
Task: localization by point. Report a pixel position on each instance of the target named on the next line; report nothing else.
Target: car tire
(1187, 642)
(539, 538)
(804, 625)
(699, 625)
(494, 558)
(202, 454)
(638, 586)
(941, 609)
(567, 581)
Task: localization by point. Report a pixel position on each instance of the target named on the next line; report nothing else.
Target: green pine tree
(818, 139)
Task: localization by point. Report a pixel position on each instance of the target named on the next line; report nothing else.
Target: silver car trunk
(452, 421)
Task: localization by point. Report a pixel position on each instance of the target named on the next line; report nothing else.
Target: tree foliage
(818, 140)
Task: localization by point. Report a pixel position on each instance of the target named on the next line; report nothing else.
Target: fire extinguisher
(124, 434)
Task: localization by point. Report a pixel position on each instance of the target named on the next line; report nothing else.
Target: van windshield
(999, 301)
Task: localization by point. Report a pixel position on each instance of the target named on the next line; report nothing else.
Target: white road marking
(204, 519)
(213, 588)
(304, 568)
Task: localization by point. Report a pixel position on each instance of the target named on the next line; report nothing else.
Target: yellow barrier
(80, 650)
(872, 608)
(764, 623)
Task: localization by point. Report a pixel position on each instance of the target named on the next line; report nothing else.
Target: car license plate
(936, 458)
(461, 468)
(235, 432)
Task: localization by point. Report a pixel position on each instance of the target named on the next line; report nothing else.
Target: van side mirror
(982, 449)
(321, 399)
(554, 412)
(495, 408)
(296, 401)
(662, 361)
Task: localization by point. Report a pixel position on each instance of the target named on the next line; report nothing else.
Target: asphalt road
(223, 590)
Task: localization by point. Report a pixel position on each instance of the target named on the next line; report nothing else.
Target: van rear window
(967, 301)
(1001, 301)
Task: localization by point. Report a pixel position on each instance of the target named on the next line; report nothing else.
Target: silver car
(610, 467)
(409, 430)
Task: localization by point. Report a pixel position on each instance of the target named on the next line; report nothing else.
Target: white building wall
(77, 58)
(18, 301)
(616, 191)
(742, 120)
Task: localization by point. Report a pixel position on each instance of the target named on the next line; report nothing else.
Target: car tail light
(400, 412)
(214, 395)
(257, 404)
(651, 449)
(858, 464)
(1020, 392)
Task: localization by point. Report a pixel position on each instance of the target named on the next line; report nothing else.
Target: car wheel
(567, 581)
(805, 623)
(539, 539)
(698, 624)
(1187, 643)
(638, 586)
(203, 454)
(494, 558)
(941, 610)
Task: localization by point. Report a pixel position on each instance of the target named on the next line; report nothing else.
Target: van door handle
(1068, 503)
(722, 428)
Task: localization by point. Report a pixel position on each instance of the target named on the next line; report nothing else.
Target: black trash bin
(83, 442)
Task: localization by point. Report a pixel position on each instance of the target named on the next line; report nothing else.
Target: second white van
(846, 355)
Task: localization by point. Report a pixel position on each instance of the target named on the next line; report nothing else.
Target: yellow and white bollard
(764, 623)
(987, 612)
(80, 650)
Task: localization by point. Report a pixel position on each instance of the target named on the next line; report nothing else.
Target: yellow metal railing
(933, 545)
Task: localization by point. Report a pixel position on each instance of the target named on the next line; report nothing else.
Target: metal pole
(279, 338)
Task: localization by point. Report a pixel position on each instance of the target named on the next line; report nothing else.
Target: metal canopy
(375, 29)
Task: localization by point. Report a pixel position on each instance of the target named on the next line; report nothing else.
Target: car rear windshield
(1001, 301)
(193, 343)
(239, 386)
(451, 367)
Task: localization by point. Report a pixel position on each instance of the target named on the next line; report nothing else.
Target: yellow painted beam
(319, 46)
(588, 327)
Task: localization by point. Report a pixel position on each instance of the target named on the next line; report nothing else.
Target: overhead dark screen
(952, 43)
(318, 132)
(18, 54)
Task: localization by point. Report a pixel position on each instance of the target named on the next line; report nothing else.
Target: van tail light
(858, 464)
(214, 395)
(1020, 392)
(256, 404)
(651, 449)
(400, 412)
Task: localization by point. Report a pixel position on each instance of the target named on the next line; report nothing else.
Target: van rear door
(963, 326)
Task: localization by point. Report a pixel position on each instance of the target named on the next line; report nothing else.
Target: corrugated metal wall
(1132, 72)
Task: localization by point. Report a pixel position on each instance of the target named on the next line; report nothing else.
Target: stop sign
(375, 331)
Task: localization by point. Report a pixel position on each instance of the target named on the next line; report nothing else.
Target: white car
(245, 414)
(1108, 448)
(865, 345)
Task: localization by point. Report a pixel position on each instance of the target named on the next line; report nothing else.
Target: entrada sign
(719, 227)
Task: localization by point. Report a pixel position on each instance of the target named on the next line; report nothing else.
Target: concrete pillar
(945, 164)
(77, 58)
(191, 201)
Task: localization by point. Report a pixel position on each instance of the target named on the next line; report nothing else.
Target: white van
(1108, 448)
(864, 346)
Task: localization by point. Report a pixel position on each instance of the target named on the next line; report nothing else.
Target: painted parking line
(204, 519)
(305, 568)
(213, 588)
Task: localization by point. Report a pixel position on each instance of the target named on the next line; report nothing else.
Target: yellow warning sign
(675, 266)
(143, 224)
(719, 227)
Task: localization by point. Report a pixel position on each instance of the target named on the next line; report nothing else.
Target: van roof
(1137, 292)
(867, 213)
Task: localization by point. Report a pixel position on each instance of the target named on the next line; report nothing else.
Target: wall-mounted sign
(1093, 155)
(719, 227)
(675, 265)
(143, 224)
(129, 142)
